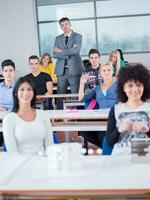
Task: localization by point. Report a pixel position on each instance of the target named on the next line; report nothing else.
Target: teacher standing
(69, 65)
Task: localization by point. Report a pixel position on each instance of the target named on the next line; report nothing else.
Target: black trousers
(62, 84)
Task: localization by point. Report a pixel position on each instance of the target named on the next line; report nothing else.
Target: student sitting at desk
(117, 60)
(43, 81)
(92, 73)
(105, 96)
(26, 130)
(6, 87)
(46, 65)
(130, 118)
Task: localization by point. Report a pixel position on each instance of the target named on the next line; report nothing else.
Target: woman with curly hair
(130, 118)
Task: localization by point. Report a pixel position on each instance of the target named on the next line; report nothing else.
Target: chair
(55, 137)
(106, 148)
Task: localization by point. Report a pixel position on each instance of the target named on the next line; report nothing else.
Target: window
(122, 7)
(104, 24)
(129, 34)
(72, 11)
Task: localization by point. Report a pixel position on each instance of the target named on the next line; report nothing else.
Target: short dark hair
(133, 72)
(8, 62)
(63, 19)
(20, 81)
(33, 57)
(92, 51)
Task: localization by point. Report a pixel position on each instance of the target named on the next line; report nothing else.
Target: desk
(83, 125)
(72, 114)
(105, 177)
(56, 96)
(42, 98)
(78, 114)
(67, 125)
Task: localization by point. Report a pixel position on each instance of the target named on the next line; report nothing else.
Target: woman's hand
(2, 109)
(125, 126)
(140, 127)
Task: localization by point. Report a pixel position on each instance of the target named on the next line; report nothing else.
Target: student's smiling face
(113, 58)
(45, 61)
(8, 73)
(34, 64)
(106, 71)
(25, 93)
(94, 60)
(134, 90)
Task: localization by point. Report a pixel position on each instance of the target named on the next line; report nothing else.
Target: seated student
(105, 96)
(43, 82)
(46, 65)
(92, 73)
(26, 130)
(130, 118)
(117, 60)
(6, 87)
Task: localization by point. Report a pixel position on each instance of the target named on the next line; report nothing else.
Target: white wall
(18, 32)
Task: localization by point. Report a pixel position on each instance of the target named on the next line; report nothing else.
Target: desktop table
(57, 96)
(90, 120)
(42, 98)
(97, 177)
(78, 120)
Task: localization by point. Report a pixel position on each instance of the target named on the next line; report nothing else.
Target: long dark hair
(121, 54)
(15, 93)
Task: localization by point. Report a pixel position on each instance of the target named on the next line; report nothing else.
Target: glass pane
(87, 29)
(131, 34)
(48, 32)
(72, 11)
(122, 7)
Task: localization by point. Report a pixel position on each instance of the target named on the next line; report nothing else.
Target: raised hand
(84, 78)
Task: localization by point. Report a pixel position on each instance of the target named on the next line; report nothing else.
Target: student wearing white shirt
(26, 130)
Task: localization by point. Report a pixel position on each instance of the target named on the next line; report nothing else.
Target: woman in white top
(26, 130)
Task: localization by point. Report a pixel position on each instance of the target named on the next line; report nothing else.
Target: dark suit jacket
(70, 53)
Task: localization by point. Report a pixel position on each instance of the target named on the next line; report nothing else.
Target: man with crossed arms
(69, 65)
